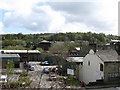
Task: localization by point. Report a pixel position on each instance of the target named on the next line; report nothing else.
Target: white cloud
(61, 17)
(41, 18)
(76, 27)
(34, 24)
(102, 15)
(109, 14)
(17, 4)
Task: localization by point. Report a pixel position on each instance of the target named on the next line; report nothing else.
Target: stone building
(102, 65)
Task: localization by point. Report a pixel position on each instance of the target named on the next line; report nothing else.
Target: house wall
(111, 72)
(90, 71)
(80, 72)
(77, 70)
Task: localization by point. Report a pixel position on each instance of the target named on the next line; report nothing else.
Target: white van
(3, 78)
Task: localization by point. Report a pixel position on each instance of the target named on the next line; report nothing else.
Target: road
(117, 88)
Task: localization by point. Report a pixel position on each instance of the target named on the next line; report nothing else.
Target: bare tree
(10, 67)
(59, 51)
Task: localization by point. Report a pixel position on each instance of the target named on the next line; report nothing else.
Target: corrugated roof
(75, 59)
(9, 55)
(20, 51)
(108, 55)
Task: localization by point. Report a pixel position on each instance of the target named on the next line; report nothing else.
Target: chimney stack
(93, 46)
(117, 47)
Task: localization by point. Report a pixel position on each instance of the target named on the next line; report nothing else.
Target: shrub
(61, 79)
(26, 80)
(72, 82)
(17, 84)
(24, 74)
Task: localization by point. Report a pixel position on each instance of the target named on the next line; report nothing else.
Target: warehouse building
(25, 55)
(5, 57)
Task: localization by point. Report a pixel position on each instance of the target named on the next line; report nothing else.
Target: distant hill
(27, 41)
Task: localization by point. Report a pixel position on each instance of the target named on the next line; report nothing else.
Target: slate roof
(108, 55)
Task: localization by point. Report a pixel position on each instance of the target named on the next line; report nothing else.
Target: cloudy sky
(54, 16)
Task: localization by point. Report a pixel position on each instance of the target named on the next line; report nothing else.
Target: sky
(54, 16)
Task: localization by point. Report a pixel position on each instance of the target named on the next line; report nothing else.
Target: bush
(14, 83)
(61, 79)
(72, 82)
(24, 74)
(17, 84)
(3, 83)
(11, 84)
(26, 80)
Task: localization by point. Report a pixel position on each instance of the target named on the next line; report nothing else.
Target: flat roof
(3, 76)
(20, 51)
(8, 55)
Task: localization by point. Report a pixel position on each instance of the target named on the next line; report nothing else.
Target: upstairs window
(101, 67)
(88, 63)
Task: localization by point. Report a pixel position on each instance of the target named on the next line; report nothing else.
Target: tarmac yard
(41, 80)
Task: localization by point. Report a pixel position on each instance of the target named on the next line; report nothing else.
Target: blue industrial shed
(5, 57)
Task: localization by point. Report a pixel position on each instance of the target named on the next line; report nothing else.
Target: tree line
(22, 41)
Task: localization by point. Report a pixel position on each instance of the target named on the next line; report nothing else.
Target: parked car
(52, 77)
(53, 69)
(3, 78)
(32, 68)
(45, 63)
(46, 70)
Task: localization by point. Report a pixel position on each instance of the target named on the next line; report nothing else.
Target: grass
(70, 81)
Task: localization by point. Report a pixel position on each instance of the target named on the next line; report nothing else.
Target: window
(88, 63)
(114, 66)
(113, 76)
(82, 63)
(101, 67)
